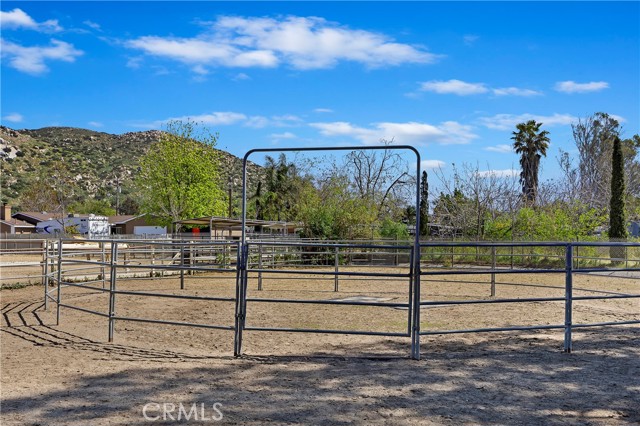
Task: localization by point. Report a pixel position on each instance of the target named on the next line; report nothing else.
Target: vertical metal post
(236, 327)
(181, 267)
(153, 260)
(415, 275)
(112, 289)
(511, 257)
(102, 260)
(259, 267)
(568, 298)
(453, 253)
(58, 297)
(241, 298)
(397, 259)
(493, 268)
(411, 296)
(45, 275)
(336, 264)
(626, 257)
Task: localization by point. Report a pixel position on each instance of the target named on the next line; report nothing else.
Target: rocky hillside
(99, 162)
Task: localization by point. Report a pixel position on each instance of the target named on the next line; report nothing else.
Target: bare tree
(590, 181)
(380, 176)
(473, 196)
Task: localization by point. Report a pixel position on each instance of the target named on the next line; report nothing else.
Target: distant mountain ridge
(99, 162)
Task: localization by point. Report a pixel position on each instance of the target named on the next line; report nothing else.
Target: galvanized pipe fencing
(60, 261)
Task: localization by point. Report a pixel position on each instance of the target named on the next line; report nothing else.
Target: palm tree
(531, 143)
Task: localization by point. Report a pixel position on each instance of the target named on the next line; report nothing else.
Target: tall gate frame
(414, 274)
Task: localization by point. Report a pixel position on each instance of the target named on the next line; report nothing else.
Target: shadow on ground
(501, 380)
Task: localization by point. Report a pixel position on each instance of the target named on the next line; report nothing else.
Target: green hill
(99, 162)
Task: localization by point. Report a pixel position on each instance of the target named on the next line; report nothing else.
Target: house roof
(35, 217)
(17, 223)
(228, 223)
(121, 219)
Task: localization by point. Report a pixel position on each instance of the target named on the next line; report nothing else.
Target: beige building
(10, 225)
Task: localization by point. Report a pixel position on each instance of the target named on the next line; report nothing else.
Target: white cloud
(322, 110)
(14, 117)
(286, 120)
(432, 164)
(446, 133)
(500, 148)
(134, 63)
(220, 118)
(257, 122)
(95, 124)
(499, 173)
(200, 70)
(463, 88)
(285, 135)
(509, 121)
(455, 87)
(17, 18)
(226, 118)
(573, 87)
(31, 60)
(241, 76)
(618, 118)
(93, 25)
(470, 39)
(515, 91)
(302, 43)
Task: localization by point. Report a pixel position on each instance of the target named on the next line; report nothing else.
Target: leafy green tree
(391, 229)
(179, 175)
(281, 189)
(424, 205)
(531, 143)
(617, 218)
(129, 206)
(93, 206)
(331, 211)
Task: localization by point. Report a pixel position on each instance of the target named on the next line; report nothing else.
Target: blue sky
(451, 78)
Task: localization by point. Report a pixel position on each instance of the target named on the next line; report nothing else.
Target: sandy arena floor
(70, 375)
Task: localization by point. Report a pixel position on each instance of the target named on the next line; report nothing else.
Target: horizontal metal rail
(174, 296)
(604, 324)
(492, 329)
(71, 284)
(491, 301)
(322, 331)
(327, 245)
(88, 311)
(178, 323)
(329, 302)
(493, 271)
(340, 273)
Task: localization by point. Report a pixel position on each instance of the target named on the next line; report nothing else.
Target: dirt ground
(69, 374)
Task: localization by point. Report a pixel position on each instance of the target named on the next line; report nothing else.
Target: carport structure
(224, 227)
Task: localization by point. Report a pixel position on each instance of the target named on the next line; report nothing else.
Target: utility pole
(118, 191)
(230, 197)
